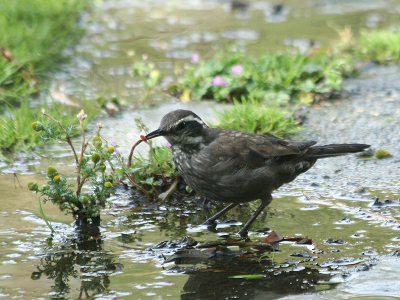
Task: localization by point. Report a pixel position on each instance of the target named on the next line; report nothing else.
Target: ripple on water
(345, 221)
(345, 261)
(9, 262)
(310, 207)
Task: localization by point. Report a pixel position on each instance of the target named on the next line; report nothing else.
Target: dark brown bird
(234, 166)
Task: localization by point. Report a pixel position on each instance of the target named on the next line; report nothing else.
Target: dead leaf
(6, 54)
(273, 237)
(58, 94)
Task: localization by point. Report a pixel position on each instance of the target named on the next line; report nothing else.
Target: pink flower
(217, 81)
(168, 145)
(237, 69)
(195, 58)
(114, 143)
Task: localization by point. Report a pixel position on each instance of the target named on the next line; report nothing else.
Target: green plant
(382, 46)
(278, 78)
(90, 165)
(253, 116)
(267, 256)
(153, 173)
(151, 75)
(33, 35)
(16, 135)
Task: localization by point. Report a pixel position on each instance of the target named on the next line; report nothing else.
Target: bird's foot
(211, 225)
(212, 228)
(244, 234)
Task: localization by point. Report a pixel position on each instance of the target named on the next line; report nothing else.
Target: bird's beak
(155, 133)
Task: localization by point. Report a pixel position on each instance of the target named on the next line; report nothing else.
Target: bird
(235, 167)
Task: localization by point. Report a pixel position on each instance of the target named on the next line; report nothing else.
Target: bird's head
(181, 127)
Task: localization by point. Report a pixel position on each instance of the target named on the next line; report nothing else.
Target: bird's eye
(181, 125)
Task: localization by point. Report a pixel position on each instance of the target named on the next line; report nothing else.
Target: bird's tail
(335, 150)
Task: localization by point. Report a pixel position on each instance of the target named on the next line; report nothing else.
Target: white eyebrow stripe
(189, 118)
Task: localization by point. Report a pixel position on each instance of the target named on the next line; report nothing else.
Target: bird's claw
(244, 234)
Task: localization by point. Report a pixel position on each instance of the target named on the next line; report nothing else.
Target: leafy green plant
(252, 116)
(154, 173)
(278, 78)
(382, 46)
(90, 165)
(151, 175)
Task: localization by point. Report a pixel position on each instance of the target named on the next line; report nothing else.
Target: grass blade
(44, 217)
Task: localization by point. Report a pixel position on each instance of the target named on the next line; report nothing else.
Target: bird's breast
(182, 160)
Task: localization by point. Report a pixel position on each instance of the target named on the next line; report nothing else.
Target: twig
(69, 142)
(135, 184)
(79, 188)
(131, 153)
(94, 133)
(81, 116)
(171, 189)
(51, 118)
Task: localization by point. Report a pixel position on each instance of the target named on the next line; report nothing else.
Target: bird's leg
(264, 203)
(211, 221)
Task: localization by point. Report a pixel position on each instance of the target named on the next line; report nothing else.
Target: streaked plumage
(234, 166)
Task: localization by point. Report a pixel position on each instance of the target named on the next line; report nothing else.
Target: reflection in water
(220, 273)
(214, 282)
(81, 258)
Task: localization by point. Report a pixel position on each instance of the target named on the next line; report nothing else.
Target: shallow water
(350, 233)
(336, 209)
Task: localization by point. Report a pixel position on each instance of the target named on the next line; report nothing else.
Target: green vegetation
(262, 85)
(382, 153)
(152, 174)
(16, 134)
(378, 45)
(381, 46)
(90, 165)
(253, 116)
(277, 78)
(101, 163)
(286, 78)
(33, 35)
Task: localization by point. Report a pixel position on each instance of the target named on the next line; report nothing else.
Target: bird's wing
(253, 150)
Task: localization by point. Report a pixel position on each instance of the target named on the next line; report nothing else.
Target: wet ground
(349, 207)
